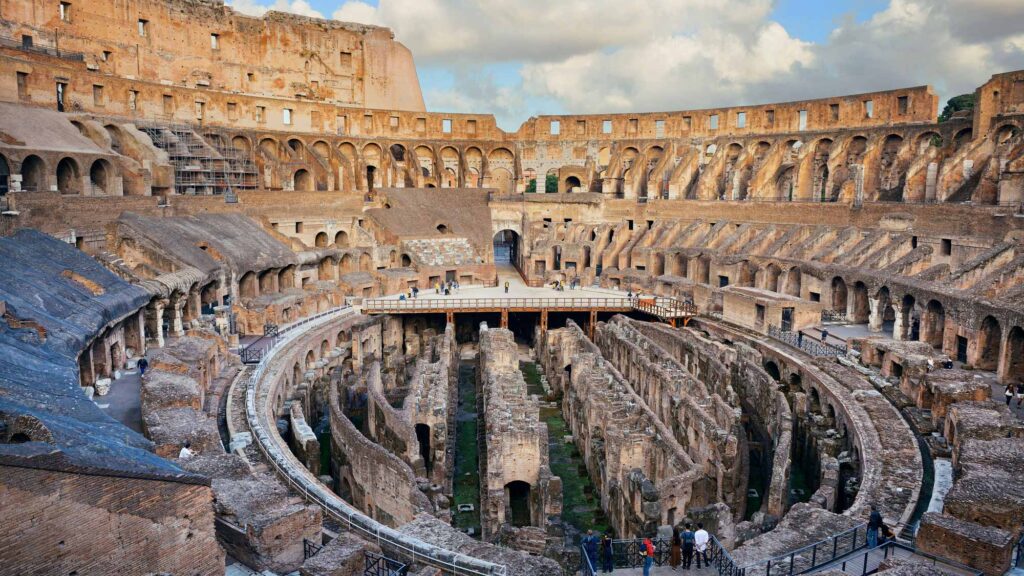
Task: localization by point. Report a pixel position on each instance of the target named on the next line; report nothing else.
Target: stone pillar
(900, 328)
(134, 333)
(1003, 361)
(177, 316)
(858, 184)
(875, 314)
(155, 322)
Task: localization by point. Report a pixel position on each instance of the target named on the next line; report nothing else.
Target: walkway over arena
(666, 309)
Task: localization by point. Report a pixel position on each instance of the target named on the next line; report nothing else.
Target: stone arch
(345, 264)
(928, 140)
(100, 174)
(839, 294)
(248, 287)
(406, 261)
(794, 281)
(365, 262)
(933, 324)
(571, 183)
(286, 277)
(241, 143)
(69, 180)
(1006, 132)
(270, 148)
(341, 239)
(310, 359)
(906, 316)
(990, 336)
(502, 180)
(302, 181)
(320, 240)
(1015, 353)
(785, 182)
(297, 147)
(962, 138)
(773, 370)
(5, 175)
(772, 275)
(861, 303)
(517, 500)
(33, 173)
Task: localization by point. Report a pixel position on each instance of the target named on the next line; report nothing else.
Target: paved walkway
(123, 402)
(665, 571)
(517, 289)
(867, 562)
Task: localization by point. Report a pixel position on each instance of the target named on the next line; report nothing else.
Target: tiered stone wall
(514, 442)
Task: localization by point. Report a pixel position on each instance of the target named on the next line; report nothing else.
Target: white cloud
(616, 55)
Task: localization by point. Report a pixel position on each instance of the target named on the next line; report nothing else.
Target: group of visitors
(446, 288)
(685, 546)
(559, 285)
(1014, 390)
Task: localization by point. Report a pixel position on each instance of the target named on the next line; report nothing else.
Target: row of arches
(67, 175)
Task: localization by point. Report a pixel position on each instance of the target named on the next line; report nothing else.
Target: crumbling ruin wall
(433, 402)
(514, 444)
(705, 425)
(644, 477)
(735, 373)
(389, 426)
(379, 483)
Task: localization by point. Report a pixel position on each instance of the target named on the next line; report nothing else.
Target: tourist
(824, 336)
(1020, 392)
(677, 549)
(700, 543)
(687, 539)
(143, 364)
(1009, 393)
(629, 293)
(456, 286)
(437, 287)
(415, 292)
(186, 451)
(606, 551)
(506, 286)
(648, 556)
(800, 339)
(590, 546)
(874, 525)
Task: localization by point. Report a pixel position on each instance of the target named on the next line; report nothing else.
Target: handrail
(290, 470)
(662, 306)
(792, 557)
(888, 548)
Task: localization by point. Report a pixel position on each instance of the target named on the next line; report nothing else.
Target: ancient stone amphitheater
(381, 340)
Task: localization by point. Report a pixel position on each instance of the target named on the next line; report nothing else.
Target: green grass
(466, 486)
(532, 376)
(580, 507)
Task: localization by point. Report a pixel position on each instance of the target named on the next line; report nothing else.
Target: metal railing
(806, 343)
(812, 556)
(19, 44)
(310, 548)
(868, 561)
(630, 554)
(659, 306)
(377, 565)
(292, 472)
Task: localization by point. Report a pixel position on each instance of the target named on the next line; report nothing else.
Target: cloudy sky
(520, 58)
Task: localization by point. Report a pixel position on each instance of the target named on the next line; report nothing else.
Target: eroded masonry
(378, 338)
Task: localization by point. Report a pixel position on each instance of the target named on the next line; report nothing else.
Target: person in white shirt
(700, 544)
(186, 452)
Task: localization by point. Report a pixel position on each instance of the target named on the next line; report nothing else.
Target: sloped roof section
(207, 242)
(56, 300)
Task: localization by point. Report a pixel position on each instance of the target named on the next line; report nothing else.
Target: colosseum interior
(381, 340)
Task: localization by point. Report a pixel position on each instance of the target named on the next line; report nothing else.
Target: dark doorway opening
(423, 438)
(518, 495)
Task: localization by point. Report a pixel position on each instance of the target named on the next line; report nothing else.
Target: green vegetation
(551, 183)
(580, 506)
(956, 104)
(467, 464)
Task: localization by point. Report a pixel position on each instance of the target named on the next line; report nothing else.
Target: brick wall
(65, 523)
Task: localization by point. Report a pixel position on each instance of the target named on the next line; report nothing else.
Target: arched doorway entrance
(5, 176)
(517, 497)
(506, 247)
(423, 439)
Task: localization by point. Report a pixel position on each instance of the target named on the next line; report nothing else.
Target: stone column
(177, 316)
(1003, 360)
(900, 327)
(875, 314)
(155, 322)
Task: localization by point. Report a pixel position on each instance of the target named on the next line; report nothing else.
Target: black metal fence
(631, 554)
(867, 562)
(806, 343)
(812, 556)
(310, 548)
(377, 565)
